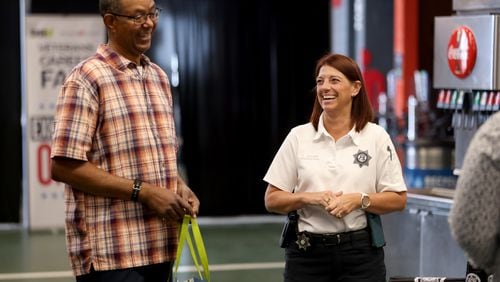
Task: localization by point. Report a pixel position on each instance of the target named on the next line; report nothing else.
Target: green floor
(236, 252)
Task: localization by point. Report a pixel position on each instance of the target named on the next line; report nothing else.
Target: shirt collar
(322, 133)
(118, 60)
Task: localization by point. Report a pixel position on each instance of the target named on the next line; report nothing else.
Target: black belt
(337, 238)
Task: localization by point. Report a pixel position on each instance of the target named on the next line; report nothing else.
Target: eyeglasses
(141, 19)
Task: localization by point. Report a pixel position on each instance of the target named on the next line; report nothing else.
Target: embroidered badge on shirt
(362, 158)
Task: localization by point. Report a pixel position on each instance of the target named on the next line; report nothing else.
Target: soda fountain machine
(467, 75)
(467, 68)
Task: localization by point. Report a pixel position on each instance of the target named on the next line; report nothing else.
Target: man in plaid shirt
(114, 146)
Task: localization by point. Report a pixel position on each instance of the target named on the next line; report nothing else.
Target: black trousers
(353, 261)
(161, 272)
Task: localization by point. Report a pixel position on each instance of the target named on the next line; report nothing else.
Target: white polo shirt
(311, 161)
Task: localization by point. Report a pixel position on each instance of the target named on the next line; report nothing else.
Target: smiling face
(334, 91)
(129, 39)
(340, 81)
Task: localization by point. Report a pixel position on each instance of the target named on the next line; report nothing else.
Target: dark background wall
(10, 123)
(244, 82)
(380, 34)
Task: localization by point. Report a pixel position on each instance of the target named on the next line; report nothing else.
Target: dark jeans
(150, 273)
(354, 261)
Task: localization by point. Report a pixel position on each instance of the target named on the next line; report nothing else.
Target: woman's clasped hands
(339, 204)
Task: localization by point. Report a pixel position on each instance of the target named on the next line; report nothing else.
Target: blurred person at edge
(475, 213)
(331, 171)
(114, 146)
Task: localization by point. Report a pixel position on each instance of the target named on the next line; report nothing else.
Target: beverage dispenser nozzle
(412, 118)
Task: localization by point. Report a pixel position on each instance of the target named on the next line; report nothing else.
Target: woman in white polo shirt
(331, 171)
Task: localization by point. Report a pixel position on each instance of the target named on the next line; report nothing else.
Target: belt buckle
(303, 241)
(338, 239)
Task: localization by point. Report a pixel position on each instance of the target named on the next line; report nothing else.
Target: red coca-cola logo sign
(462, 52)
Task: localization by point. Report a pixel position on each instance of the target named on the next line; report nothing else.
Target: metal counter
(419, 241)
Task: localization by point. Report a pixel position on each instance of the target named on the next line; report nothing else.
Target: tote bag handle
(197, 250)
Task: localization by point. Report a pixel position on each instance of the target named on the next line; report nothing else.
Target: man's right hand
(165, 203)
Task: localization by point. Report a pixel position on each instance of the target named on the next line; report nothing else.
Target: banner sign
(54, 45)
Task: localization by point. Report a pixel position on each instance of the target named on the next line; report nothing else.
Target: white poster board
(54, 45)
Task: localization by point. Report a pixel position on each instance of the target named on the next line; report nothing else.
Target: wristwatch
(365, 201)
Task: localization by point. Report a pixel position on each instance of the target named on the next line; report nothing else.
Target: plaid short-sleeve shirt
(120, 118)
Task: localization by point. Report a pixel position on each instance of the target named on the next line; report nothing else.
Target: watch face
(365, 201)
